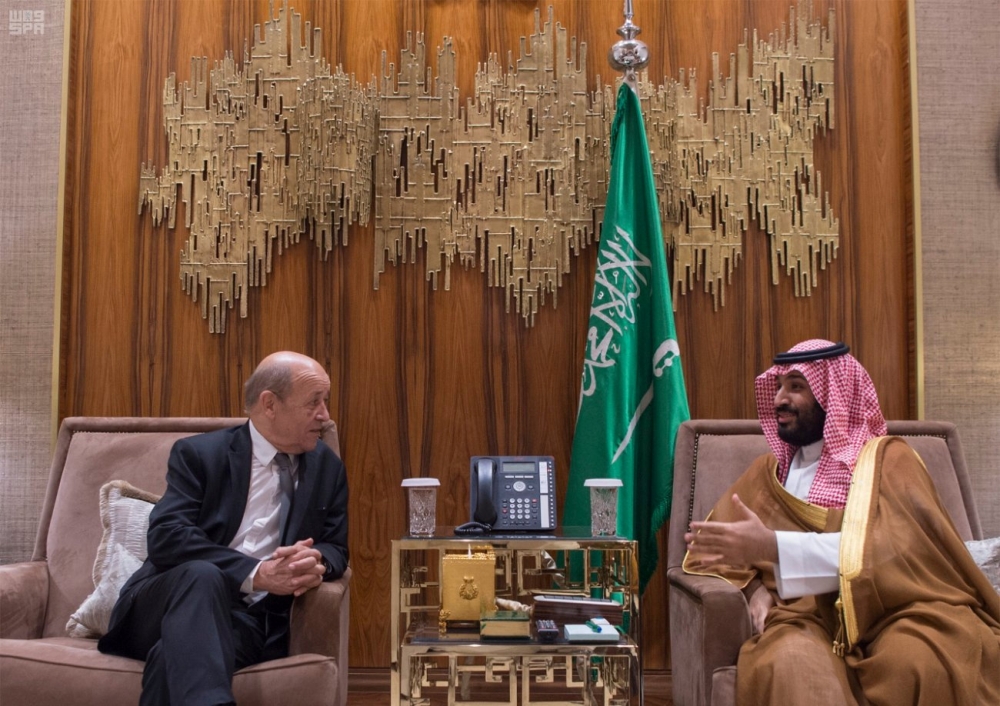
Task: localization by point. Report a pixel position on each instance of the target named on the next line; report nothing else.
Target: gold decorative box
(468, 585)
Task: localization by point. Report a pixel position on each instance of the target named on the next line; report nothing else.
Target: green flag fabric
(632, 396)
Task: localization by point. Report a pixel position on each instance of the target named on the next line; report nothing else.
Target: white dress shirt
(260, 531)
(808, 562)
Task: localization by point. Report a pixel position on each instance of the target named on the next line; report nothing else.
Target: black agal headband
(838, 349)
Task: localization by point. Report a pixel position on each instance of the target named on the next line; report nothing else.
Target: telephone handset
(513, 493)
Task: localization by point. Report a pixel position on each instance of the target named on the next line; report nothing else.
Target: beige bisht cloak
(916, 621)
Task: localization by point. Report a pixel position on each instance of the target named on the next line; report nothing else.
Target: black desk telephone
(512, 493)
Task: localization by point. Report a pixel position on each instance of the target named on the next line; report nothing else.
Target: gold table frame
(431, 668)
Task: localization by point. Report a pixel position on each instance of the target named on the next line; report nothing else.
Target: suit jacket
(208, 480)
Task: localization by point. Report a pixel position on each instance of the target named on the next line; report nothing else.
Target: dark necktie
(287, 486)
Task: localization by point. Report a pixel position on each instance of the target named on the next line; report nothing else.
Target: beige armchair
(709, 620)
(40, 665)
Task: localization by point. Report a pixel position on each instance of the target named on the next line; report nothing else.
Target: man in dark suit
(252, 516)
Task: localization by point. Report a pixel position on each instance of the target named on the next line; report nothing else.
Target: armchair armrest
(320, 623)
(24, 593)
(321, 618)
(709, 622)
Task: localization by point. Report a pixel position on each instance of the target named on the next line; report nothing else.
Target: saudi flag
(632, 396)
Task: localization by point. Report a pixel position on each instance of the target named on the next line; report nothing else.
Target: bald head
(286, 398)
(273, 374)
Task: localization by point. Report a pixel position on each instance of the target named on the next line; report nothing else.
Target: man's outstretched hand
(291, 570)
(745, 541)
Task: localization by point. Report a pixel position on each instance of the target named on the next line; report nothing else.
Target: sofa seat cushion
(87, 677)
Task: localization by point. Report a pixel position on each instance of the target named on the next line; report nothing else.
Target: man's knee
(791, 664)
(904, 666)
(195, 579)
(783, 654)
(201, 573)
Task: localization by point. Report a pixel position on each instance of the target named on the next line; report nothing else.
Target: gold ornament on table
(469, 590)
(468, 584)
(511, 180)
(443, 616)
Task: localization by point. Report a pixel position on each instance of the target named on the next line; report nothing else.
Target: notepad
(583, 632)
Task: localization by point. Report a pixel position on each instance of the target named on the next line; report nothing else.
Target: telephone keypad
(520, 511)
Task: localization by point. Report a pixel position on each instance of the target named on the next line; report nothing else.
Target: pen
(593, 626)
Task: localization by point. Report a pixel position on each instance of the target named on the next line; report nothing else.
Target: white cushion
(125, 517)
(986, 553)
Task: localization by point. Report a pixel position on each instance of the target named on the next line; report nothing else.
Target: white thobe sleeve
(808, 563)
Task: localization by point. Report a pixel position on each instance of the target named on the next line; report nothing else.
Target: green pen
(593, 626)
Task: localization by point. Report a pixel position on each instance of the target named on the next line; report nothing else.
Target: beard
(807, 426)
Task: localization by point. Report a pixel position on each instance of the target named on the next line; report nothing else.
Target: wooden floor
(370, 687)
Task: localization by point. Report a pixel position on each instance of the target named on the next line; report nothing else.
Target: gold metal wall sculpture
(747, 155)
(266, 152)
(511, 180)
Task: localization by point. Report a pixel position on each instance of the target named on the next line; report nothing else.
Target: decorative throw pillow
(986, 553)
(125, 517)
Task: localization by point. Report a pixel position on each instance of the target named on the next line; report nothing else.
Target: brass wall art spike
(511, 180)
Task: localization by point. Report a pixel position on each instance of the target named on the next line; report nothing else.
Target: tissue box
(585, 633)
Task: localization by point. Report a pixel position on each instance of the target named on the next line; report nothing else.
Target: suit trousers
(193, 634)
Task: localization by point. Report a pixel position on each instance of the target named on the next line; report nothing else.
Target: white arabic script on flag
(621, 274)
(665, 355)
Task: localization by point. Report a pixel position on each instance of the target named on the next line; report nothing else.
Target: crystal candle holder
(421, 501)
(603, 506)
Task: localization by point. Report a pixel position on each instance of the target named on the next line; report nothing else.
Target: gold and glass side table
(435, 662)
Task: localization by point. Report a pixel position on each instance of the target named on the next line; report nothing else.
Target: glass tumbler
(421, 500)
(603, 506)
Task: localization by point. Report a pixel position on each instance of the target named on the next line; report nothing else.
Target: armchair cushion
(986, 553)
(55, 671)
(125, 517)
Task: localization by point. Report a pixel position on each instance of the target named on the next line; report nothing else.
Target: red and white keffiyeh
(844, 390)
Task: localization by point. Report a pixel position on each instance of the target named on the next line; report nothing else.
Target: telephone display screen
(519, 468)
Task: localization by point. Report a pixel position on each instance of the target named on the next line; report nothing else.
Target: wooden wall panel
(422, 380)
